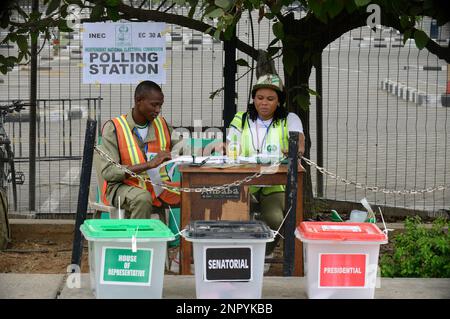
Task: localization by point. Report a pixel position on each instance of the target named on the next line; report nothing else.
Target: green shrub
(419, 252)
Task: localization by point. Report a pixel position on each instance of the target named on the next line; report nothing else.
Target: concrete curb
(411, 94)
(51, 286)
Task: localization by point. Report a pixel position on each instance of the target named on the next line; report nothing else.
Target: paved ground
(18, 286)
(54, 286)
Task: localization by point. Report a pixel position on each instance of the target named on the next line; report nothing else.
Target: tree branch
(131, 14)
(440, 51)
(324, 34)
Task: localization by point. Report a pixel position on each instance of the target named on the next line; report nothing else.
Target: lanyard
(257, 136)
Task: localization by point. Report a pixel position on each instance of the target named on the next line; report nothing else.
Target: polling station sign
(124, 53)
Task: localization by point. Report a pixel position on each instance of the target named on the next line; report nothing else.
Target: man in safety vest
(141, 141)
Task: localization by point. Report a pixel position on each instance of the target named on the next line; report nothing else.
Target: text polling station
(124, 53)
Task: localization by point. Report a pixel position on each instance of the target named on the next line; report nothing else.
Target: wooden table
(192, 176)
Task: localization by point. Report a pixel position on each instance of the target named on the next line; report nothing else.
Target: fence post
(319, 124)
(291, 203)
(229, 73)
(32, 135)
(83, 193)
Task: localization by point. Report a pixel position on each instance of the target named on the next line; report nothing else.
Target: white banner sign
(124, 53)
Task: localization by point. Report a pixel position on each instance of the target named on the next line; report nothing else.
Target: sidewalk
(53, 286)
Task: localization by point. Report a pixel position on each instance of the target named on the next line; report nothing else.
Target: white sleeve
(294, 123)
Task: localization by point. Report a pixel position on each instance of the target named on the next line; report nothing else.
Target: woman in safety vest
(263, 131)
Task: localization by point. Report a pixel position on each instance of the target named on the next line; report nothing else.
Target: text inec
(123, 63)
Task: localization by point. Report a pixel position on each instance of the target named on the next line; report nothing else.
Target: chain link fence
(383, 124)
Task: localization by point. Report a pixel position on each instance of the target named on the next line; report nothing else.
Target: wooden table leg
(185, 246)
(298, 259)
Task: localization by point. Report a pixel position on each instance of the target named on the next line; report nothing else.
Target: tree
(299, 40)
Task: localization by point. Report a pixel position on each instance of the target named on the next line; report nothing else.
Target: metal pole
(33, 98)
(319, 125)
(99, 117)
(291, 205)
(83, 193)
(229, 72)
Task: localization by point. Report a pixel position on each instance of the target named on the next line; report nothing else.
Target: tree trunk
(297, 85)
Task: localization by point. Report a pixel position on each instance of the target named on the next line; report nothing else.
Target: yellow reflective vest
(276, 140)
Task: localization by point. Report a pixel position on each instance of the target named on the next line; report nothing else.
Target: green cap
(271, 81)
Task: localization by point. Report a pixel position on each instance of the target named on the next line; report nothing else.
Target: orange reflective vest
(131, 154)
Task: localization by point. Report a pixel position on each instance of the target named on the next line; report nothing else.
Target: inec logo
(123, 35)
(272, 148)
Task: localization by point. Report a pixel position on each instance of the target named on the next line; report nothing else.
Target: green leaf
(22, 42)
(404, 21)
(3, 68)
(52, 6)
(35, 16)
(242, 62)
(63, 10)
(276, 7)
(334, 8)
(62, 26)
(312, 92)
(12, 37)
(21, 56)
(277, 29)
(193, 5)
(227, 19)
(208, 10)
(269, 15)
(255, 3)
(228, 33)
(406, 36)
(224, 4)
(97, 12)
(361, 3)
(421, 39)
(302, 100)
(317, 8)
(11, 60)
(215, 13)
(113, 13)
(217, 34)
(112, 3)
(350, 6)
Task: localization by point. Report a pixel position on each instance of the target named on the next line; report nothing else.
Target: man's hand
(154, 162)
(160, 158)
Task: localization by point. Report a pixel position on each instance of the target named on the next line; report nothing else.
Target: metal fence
(383, 123)
(60, 130)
